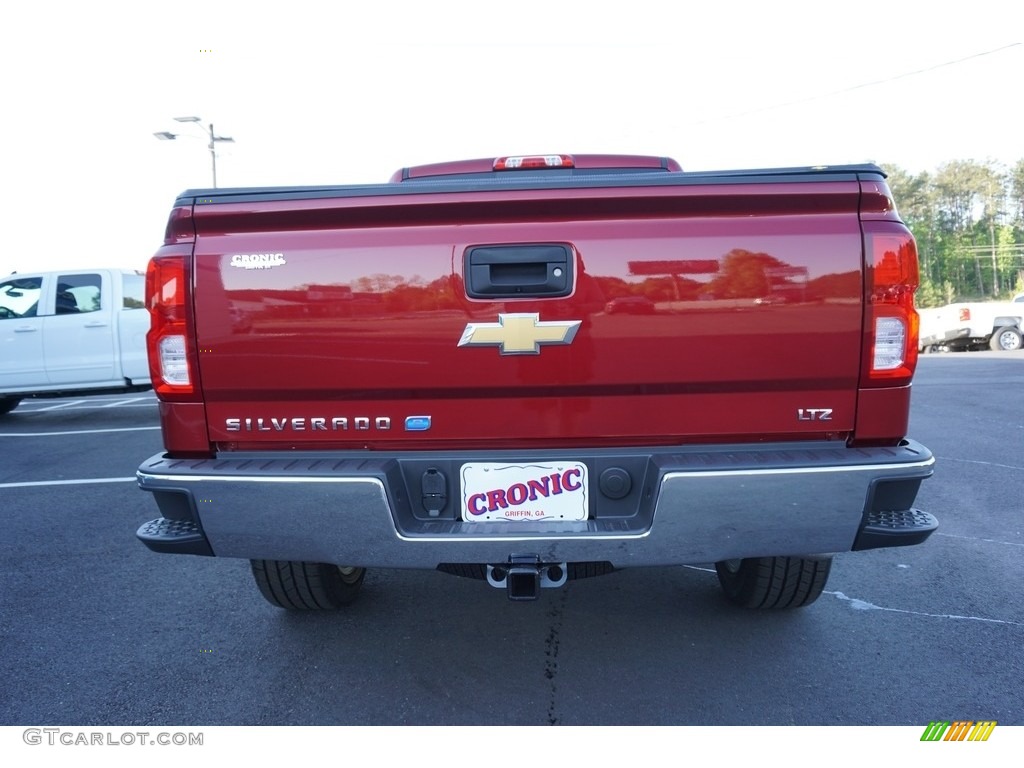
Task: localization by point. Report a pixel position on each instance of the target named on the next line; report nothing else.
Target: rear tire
(299, 586)
(1006, 339)
(773, 582)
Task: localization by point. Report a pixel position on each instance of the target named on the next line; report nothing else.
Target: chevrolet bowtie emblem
(519, 333)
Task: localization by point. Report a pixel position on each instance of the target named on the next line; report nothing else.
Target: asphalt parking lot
(97, 630)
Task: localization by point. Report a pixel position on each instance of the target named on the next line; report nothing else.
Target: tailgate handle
(519, 271)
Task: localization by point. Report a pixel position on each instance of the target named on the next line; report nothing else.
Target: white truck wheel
(1006, 339)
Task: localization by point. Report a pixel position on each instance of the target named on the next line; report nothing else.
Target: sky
(318, 93)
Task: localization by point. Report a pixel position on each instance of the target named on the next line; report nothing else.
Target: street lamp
(214, 138)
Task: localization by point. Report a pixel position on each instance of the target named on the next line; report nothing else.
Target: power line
(861, 86)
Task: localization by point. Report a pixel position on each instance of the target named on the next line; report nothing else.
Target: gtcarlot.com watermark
(68, 738)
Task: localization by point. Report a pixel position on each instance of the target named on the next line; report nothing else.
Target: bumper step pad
(174, 536)
(898, 528)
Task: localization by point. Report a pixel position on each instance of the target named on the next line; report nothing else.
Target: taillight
(172, 362)
(180, 226)
(890, 320)
(532, 162)
(965, 314)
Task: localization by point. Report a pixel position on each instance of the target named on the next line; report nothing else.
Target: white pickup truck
(72, 331)
(996, 325)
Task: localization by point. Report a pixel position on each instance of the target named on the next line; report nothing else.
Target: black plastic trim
(519, 270)
(481, 182)
(900, 528)
(176, 537)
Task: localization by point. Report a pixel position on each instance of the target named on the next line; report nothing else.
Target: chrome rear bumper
(687, 505)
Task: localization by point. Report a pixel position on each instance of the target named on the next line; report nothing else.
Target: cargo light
(890, 319)
(171, 359)
(532, 162)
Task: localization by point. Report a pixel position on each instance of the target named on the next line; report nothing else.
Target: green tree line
(968, 219)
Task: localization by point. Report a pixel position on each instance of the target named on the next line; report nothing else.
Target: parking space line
(975, 538)
(863, 605)
(59, 405)
(87, 481)
(76, 432)
(34, 406)
(90, 406)
(983, 463)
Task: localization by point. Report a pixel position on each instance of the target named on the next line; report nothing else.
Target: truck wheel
(8, 404)
(773, 582)
(300, 586)
(1006, 339)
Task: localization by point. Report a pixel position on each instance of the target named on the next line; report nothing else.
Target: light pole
(214, 138)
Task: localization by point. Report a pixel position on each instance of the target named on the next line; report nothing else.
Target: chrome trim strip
(143, 476)
(669, 476)
(801, 470)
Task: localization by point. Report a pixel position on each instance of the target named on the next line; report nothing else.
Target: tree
(1016, 182)
(915, 200)
(968, 220)
(992, 188)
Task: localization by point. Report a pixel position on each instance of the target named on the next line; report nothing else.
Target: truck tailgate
(690, 313)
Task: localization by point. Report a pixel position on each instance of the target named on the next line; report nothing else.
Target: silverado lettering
(299, 423)
(705, 312)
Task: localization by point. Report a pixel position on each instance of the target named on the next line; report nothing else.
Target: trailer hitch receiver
(523, 576)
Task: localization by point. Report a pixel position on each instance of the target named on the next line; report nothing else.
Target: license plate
(555, 491)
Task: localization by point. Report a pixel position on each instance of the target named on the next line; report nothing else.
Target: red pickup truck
(532, 369)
